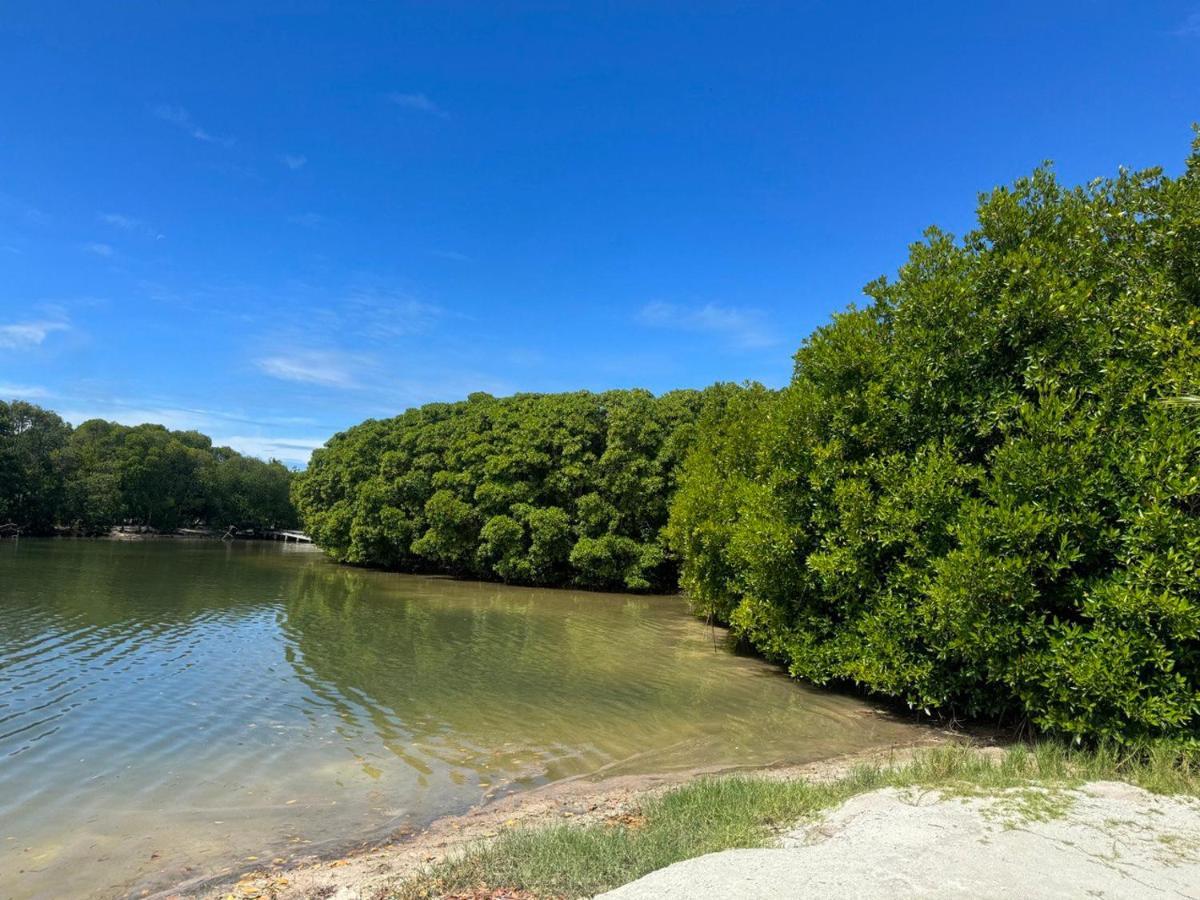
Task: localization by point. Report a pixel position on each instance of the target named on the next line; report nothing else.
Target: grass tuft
(722, 813)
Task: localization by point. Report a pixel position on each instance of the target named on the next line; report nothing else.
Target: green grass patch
(713, 814)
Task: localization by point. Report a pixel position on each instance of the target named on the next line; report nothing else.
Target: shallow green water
(172, 708)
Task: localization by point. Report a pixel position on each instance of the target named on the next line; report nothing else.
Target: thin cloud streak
(383, 314)
(118, 220)
(285, 449)
(224, 429)
(308, 220)
(23, 392)
(166, 411)
(308, 367)
(24, 335)
(418, 103)
(1190, 26)
(452, 255)
(745, 329)
(130, 224)
(181, 118)
(295, 162)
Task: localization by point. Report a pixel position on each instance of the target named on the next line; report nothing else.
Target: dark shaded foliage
(102, 474)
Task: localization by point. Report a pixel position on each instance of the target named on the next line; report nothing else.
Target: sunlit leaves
(982, 493)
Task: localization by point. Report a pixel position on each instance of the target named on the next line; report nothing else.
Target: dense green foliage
(102, 474)
(972, 496)
(546, 489)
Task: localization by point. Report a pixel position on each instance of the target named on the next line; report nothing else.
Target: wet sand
(368, 872)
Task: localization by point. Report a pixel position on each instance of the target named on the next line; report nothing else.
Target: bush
(542, 489)
(972, 495)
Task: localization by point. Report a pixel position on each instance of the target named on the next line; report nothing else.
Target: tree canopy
(102, 473)
(544, 489)
(976, 494)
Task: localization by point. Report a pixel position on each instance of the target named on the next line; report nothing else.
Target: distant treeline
(542, 489)
(979, 494)
(102, 474)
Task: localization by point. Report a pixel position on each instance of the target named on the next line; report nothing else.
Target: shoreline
(117, 533)
(367, 869)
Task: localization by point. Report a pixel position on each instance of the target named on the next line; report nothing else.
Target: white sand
(1103, 840)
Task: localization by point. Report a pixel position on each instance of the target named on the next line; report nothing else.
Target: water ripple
(170, 704)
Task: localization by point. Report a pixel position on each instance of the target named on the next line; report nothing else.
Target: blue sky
(269, 221)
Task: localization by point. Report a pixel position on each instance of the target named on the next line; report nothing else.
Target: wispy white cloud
(285, 449)
(237, 170)
(119, 220)
(744, 328)
(452, 255)
(254, 435)
(23, 335)
(308, 220)
(126, 413)
(99, 249)
(294, 161)
(380, 314)
(22, 391)
(181, 118)
(417, 102)
(129, 223)
(309, 367)
(22, 210)
(1190, 26)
